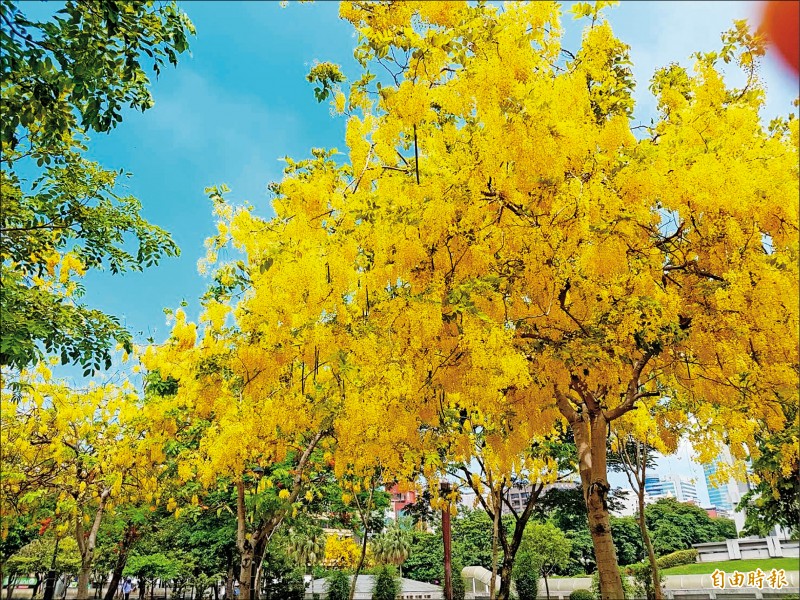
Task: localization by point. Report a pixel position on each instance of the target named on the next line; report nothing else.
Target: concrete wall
(768, 547)
(676, 587)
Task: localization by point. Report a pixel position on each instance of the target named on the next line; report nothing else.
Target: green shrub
(459, 589)
(387, 583)
(581, 595)
(676, 559)
(338, 586)
(526, 575)
(643, 579)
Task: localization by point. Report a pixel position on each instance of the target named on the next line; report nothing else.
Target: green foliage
(472, 538)
(425, 561)
(627, 540)
(527, 566)
(20, 531)
(338, 586)
(62, 79)
(326, 75)
(643, 578)
(37, 556)
(425, 557)
(387, 583)
(566, 509)
(581, 595)
(307, 546)
(548, 546)
(282, 576)
(728, 566)
(154, 566)
(80, 69)
(676, 526)
(681, 557)
(393, 546)
(582, 555)
(775, 500)
(459, 589)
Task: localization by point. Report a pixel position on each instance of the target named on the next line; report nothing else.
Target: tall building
(726, 495)
(718, 495)
(672, 486)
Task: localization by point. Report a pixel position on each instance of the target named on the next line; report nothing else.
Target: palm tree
(392, 546)
(308, 547)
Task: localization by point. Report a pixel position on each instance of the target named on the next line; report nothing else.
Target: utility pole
(448, 575)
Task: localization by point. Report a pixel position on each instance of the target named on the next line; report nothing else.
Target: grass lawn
(729, 566)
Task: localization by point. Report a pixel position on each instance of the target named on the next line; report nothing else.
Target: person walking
(127, 587)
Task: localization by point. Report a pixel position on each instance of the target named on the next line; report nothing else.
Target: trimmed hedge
(676, 559)
(581, 595)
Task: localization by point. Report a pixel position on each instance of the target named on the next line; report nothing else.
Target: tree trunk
(229, 584)
(12, 584)
(590, 441)
(259, 553)
(596, 488)
(83, 580)
(86, 543)
(51, 578)
(498, 509)
(546, 586)
(116, 577)
(505, 578)
(365, 512)
(651, 555)
(360, 564)
(244, 545)
(511, 547)
(246, 576)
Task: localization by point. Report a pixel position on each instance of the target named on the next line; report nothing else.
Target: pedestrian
(127, 587)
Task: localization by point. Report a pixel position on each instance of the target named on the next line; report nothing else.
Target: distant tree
(147, 568)
(627, 540)
(566, 509)
(421, 512)
(548, 547)
(677, 525)
(634, 456)
(39, 555)
(527, 567)
(393, 546)
(338, 586)
(425, 557)
(387, 583)
(308, 547)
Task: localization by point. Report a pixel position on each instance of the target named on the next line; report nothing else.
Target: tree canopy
(499, 262)
(63, 213)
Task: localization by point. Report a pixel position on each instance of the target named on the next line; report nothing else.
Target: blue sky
(240, 102)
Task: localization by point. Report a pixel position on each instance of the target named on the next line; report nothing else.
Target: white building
(681, 488)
